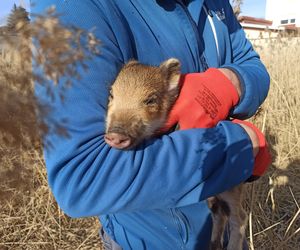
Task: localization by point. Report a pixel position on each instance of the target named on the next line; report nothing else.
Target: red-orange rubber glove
(263, 158)
(204, 100)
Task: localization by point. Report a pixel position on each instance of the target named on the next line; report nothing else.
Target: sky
(255, 8)
(6, 6)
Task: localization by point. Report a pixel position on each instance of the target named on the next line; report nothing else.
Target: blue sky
(255, 8)
(6, 6)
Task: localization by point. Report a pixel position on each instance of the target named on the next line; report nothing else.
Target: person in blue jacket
(152, 197)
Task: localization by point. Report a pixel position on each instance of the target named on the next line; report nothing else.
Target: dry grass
(274, 200)
(30, 218)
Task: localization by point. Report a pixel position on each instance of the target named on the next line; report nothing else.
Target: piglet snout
(117, 140)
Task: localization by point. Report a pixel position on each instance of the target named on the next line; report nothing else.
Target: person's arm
(252, 75)
(89, 178)
(236, 89)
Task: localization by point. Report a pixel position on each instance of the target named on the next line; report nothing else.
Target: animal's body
(141, 98)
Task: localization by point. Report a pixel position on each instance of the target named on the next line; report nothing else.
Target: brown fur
(227, 207)
(141, 98)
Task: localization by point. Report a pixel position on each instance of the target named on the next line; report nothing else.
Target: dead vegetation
(273, 201)
(56, 53)
(29, 216)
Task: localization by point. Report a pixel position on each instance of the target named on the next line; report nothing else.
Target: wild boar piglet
(140, 100)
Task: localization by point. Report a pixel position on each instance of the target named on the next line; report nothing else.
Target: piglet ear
(131, 62)
(171, 71)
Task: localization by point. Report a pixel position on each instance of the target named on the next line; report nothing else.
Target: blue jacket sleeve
(247, 65)
(89, 178)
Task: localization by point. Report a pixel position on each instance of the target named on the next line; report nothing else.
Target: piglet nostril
(116, 140)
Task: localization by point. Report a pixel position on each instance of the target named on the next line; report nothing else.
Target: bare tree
(31, 55)
(236, 5)
(17, 14)
(55, 61)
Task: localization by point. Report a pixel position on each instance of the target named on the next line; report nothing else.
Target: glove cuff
(263, 158)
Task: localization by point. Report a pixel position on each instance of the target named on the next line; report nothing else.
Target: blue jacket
(152, 197)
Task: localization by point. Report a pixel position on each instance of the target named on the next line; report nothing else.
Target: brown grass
(30, 218)
(273, 201)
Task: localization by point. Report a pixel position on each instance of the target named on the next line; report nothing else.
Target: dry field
(30, 218)
(273, 201)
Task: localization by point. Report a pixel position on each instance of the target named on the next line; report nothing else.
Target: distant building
(284, 13)
(282, 16)
(257, 28)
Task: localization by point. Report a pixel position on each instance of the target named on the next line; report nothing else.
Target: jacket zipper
(213, 27)
(203, 63)
(210, 16)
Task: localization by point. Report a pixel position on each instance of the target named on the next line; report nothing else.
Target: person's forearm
(254, 86)
(183, 168)
(236, 83)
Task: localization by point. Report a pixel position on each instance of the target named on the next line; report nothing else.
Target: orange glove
(263, 158)
(204, 100)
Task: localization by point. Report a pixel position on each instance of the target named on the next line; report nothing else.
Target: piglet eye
(111, 96)
(151, 101)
